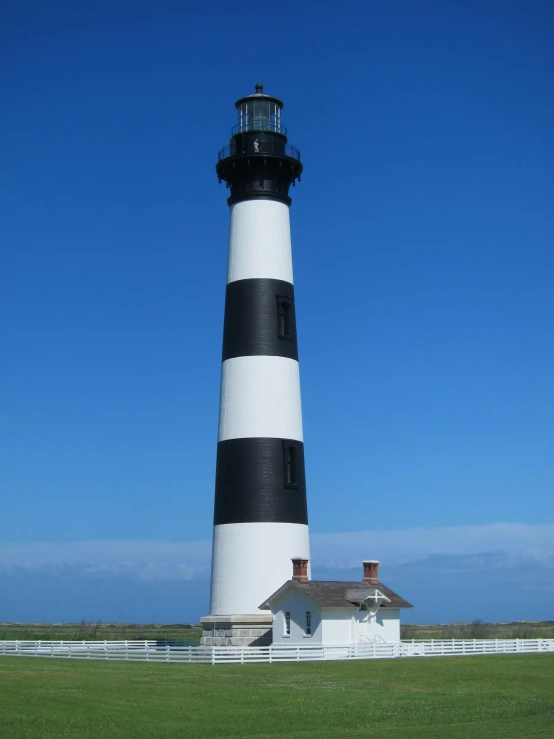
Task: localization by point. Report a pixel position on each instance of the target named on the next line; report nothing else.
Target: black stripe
(252, 319)
(251, 484)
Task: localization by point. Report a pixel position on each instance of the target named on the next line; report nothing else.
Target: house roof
(339, 594)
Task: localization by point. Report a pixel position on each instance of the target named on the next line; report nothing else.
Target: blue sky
(422, 236)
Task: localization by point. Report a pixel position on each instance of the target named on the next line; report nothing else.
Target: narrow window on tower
(284, 317)
(290, 466)
(286, 632)
(308, 623)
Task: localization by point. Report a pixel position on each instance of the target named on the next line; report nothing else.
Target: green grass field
(497, 697)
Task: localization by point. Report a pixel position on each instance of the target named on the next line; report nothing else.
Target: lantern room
(259, 112)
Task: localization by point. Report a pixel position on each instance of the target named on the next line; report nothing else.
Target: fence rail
(152, 651)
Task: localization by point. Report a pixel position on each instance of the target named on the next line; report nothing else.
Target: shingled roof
(332, 594)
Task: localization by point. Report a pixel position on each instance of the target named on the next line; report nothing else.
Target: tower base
(242, 630)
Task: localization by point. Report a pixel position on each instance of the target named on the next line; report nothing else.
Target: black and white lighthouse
(260, 517)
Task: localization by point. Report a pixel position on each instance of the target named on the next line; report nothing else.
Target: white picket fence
(151, 651)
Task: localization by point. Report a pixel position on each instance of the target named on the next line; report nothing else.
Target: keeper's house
(330, 612)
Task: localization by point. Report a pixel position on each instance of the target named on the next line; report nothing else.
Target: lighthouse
(260, 512)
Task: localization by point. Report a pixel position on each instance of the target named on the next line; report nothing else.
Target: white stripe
(260, 396)
(251, 561)
(259, 241)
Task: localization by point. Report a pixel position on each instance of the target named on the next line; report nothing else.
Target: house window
(363, 607)
(291, 480)
(287, 623)
(308, 623)
(284, 316)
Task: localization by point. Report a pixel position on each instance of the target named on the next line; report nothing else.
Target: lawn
(496, 697)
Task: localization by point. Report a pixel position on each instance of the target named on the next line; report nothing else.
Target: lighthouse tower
(260, 516)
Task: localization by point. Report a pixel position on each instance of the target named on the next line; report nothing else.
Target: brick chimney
(371, 571)
(300, 569)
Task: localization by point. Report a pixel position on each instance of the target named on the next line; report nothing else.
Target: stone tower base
(237, 631)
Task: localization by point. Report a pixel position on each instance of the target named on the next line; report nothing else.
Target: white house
(334, 612)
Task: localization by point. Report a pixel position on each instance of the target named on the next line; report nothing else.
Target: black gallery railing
(260, 148)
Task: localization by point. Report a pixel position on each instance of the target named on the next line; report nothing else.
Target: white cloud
(449, 574)
(161, 560)
(127, 552)
(143, 560)
(397, 547)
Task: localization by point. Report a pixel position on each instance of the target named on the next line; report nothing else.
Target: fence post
(213, 655)
(297, 653)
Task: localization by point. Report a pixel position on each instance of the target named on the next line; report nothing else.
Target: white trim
(286, 623)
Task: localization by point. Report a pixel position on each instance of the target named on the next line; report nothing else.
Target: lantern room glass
(259, 115)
